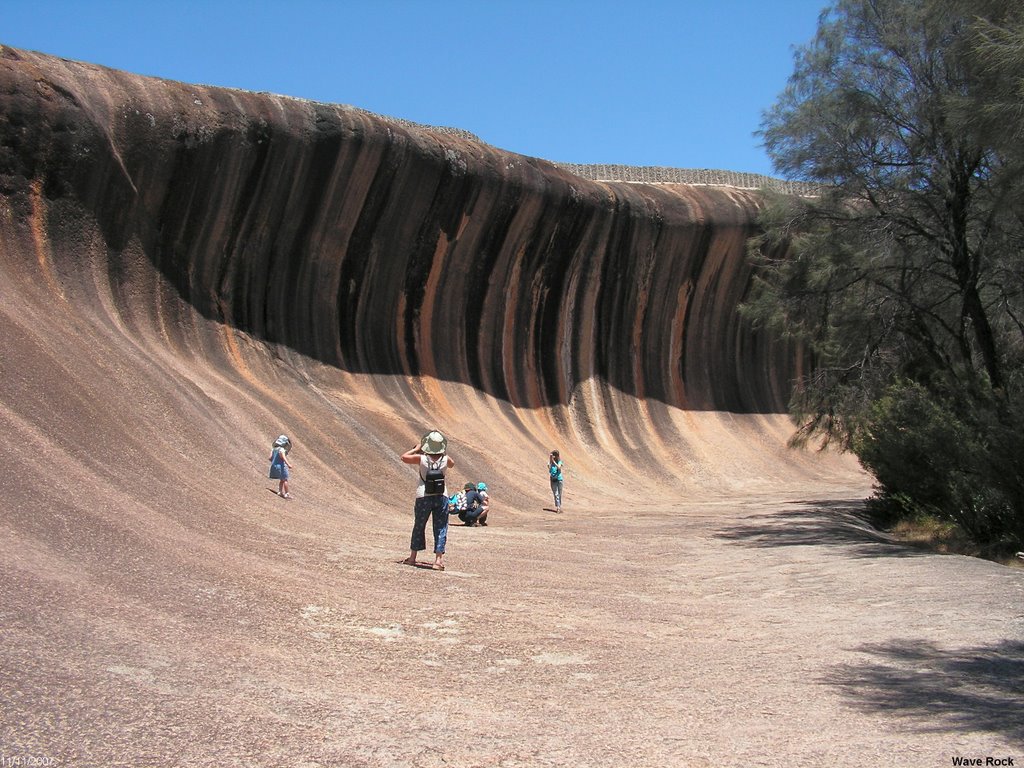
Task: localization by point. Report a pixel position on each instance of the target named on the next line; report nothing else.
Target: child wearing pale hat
(279, 465)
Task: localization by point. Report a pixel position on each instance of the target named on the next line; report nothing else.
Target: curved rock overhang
(380, 247)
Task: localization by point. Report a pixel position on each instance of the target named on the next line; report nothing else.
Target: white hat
(434, 443)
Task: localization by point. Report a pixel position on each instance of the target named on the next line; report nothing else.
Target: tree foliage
(904, 276)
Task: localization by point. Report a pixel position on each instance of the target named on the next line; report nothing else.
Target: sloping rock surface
(189, 271)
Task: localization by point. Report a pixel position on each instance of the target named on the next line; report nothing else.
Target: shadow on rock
(967, 689)
(839, 523)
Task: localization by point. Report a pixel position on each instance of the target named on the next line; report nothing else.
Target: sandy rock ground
(769, 632)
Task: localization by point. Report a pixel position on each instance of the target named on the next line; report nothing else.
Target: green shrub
(932, 458)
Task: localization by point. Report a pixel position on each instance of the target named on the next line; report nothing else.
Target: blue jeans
(435, 507)
(470, 515)
(556, 491)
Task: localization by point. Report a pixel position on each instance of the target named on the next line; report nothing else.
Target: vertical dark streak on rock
(358, 261)
(230, 299)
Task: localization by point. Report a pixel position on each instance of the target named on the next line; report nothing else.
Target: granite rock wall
(380, 247)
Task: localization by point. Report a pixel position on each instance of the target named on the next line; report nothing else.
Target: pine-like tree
(903, 276)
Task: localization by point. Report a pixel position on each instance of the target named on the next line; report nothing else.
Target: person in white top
(431, 495)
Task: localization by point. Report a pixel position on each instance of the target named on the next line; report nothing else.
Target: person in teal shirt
(555, 472)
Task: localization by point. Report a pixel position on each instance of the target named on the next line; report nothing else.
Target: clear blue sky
(637, 82)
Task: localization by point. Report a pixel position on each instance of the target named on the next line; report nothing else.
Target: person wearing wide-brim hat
(431, 454)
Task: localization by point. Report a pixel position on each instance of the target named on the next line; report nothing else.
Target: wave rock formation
(187, 272)
(351, 275)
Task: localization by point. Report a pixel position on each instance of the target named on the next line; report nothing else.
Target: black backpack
(433, 480)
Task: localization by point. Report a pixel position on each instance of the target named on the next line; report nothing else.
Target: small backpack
(277, 463)
(433, 480)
